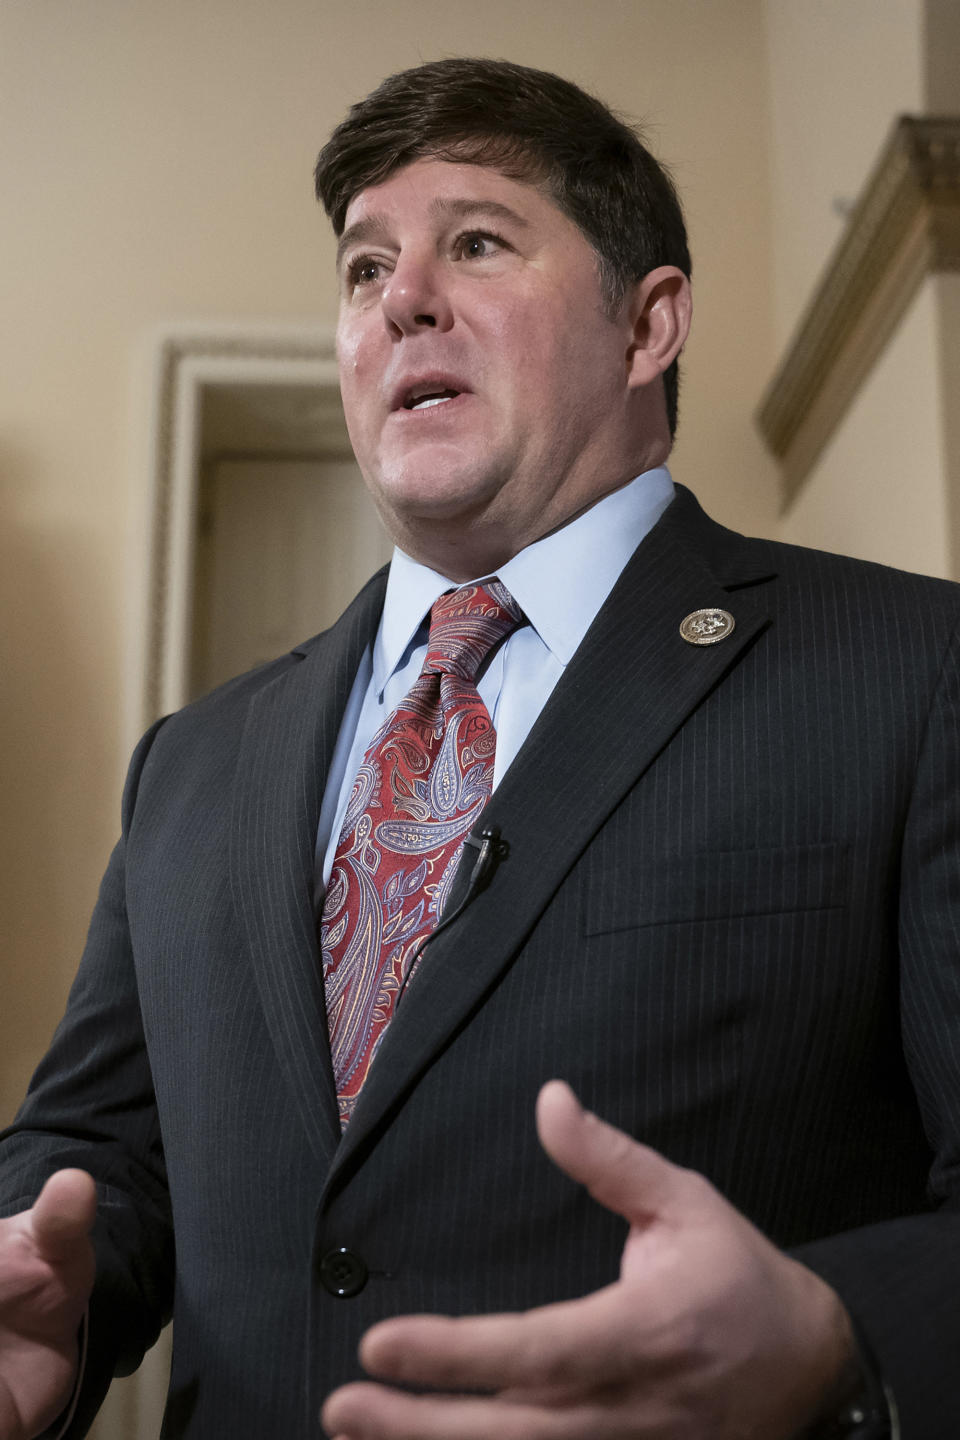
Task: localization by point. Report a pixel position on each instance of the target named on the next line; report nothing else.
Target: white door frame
(181, 362)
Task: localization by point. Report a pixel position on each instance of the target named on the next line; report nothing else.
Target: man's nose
(415, 298)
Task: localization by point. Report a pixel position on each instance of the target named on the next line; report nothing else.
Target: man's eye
(363, 271)
(477, 245)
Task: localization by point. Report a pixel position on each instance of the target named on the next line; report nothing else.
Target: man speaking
(586, 797)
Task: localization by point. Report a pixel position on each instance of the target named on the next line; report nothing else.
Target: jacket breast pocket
(716, 886)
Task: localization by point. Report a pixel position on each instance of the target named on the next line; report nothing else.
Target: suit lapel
(288, 743)
(629, 688)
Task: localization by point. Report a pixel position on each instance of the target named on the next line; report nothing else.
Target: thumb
(626, 1177)
(63, 1213)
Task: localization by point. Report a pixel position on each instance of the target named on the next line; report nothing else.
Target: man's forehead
(452, 182)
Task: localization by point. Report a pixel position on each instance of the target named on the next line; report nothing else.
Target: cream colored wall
(840, 74)
(878, 489)
(156, 165)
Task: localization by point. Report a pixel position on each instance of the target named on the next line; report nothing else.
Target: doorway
(258, 529)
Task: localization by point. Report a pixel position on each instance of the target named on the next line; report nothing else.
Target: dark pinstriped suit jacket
(728, 916)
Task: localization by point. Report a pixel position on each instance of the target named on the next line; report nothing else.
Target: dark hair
(531, 126)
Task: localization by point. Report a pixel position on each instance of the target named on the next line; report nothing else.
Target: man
(713, 890)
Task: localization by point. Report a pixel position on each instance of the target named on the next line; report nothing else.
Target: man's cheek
(350, 350)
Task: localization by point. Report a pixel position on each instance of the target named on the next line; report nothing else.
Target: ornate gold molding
(905, 226)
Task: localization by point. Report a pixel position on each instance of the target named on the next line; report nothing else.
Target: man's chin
(434, 499)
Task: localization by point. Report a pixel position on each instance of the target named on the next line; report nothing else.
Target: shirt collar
(560, 582)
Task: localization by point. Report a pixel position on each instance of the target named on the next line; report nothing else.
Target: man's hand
(46, 1275)
(710, 1331)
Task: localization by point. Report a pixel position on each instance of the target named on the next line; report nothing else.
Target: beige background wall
(878, 489)
(839, 75)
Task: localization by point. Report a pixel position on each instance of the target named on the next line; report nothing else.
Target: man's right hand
(46, 1275)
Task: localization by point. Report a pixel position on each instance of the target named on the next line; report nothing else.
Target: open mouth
(425, 399)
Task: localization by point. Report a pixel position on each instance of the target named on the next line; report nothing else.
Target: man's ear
(660, 308)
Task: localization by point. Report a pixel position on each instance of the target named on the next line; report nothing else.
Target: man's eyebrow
(360, 231)
(443, 207)
(460, 209)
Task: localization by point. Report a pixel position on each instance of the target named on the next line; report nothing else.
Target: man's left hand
(710, 1331)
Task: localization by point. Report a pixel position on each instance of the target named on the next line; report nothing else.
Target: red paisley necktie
(423, 782)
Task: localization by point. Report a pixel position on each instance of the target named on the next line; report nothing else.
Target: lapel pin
(706, 627)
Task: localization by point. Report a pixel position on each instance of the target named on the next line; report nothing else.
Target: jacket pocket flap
(719, 885)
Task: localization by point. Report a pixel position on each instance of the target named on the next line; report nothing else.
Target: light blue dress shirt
(560, 583)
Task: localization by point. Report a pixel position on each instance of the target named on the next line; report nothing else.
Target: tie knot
(465, 625)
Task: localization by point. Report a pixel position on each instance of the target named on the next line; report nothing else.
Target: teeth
(431, 400)
(429, 397)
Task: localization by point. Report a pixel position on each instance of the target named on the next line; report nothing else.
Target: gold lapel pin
(706, 627)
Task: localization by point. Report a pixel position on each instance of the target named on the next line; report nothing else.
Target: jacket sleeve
(91, 1105)
(900, 1279)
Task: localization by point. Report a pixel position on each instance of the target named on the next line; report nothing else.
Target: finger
(375, 1412)
(623, 1175)
(556, 1348)
(63, 1213)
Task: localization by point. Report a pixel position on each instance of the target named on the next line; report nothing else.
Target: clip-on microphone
(491, 849)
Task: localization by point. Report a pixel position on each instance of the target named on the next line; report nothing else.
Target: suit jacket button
(343, 1272)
